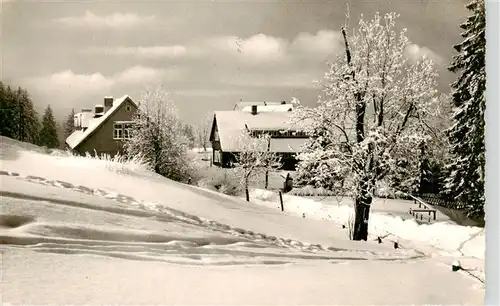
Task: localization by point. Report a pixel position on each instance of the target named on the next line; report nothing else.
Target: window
(128, 108)
(122, 130)
(118, 131)
(127, 131)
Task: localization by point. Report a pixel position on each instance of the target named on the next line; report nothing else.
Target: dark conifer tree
(466, 135)
(69, 124)
(48, 133)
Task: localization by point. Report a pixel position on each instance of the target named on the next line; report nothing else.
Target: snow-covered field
(388, 218)
(77, 231)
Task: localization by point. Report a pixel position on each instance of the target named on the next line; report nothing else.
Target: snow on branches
(467, 134)
(157, 135)
(254, 158)
(374, 105)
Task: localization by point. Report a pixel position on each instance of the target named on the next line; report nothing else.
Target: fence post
(281, 201)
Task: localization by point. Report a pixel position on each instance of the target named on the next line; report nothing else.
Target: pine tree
(466, 135)
(26, 118)
(8, 109)
(18, 118)
(69, 124)
(48, 133)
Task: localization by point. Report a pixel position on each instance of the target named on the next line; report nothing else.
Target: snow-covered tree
(373, 109)
(157, 135)
(189, 133)
(69, 124)
(424, 174)
(254, 159)
(48, 133)
(319, 166)
(202, 131)
(467, 169)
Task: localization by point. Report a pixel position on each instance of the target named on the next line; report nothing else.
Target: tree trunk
(362, 211)
(267, 163)
(423, 168)
(247, 194)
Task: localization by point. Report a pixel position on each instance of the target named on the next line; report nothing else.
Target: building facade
(103, 129)
(275, 119)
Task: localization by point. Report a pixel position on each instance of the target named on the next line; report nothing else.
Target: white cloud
(416, 52)
(208, 93)
(258, 47)
(138, 74)
(67, 87)
(96, 81)
(265, 48)
(324, 42)
(174, 51)
(69, 81)
(261, 46)
(115, 20)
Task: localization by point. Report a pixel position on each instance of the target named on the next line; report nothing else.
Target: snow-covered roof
(79, 136)
(242, 104)
(231, 124)
(270, 108)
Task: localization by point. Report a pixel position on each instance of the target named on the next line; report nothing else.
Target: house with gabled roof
(104, 128)
(287, 138)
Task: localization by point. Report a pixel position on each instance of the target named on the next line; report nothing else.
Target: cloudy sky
(208, 54)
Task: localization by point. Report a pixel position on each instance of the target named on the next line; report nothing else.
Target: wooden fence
(438, 200)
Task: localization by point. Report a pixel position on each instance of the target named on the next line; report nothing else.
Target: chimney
(108, 103)
(76, 122)
(98, 111)
(254, 109)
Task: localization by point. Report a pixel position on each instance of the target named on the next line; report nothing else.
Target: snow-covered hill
(76, 230)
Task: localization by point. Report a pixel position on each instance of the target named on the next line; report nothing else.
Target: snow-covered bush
(219, 179)
(118, 163)
(309, 190)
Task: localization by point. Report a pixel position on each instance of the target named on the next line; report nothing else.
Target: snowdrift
(123, 235)
(456, 239)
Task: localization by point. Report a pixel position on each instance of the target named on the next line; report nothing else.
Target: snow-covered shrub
(117, 163)
(309, 190)
(219, 179)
